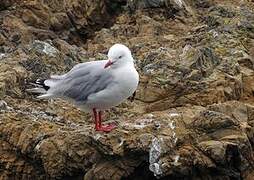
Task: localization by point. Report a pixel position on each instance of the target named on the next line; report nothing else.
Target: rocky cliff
(193, 115)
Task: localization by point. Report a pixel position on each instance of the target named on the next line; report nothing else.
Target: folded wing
(81, 81)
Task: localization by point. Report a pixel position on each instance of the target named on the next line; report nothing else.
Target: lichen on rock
(192, 117)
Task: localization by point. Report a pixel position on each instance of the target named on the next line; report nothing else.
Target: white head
(118, 55)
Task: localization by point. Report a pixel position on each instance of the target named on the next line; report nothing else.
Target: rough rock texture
(192, 118)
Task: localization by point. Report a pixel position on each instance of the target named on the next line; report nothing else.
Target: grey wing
(78, 69)
(81, 83)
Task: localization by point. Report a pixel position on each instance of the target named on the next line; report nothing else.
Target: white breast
(124, 84)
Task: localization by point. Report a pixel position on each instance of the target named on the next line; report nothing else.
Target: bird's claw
(106, 128)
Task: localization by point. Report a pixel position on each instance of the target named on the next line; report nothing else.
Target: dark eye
(120, 57)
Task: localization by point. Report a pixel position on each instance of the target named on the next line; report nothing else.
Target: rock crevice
(192, 117)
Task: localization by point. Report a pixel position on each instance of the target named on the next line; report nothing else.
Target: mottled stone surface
(193, 114)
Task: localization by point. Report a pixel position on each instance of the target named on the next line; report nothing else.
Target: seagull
(94, 86)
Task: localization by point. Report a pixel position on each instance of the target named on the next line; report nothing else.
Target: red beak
(109, 63)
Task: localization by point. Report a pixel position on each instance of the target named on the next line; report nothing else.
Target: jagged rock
(3, 105)
(156, 4)
(74, 21)
(193, 115)
(174, 145)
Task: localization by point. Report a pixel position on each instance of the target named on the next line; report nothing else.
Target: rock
(2, 40)
(72, 20)
(5, 4)
(146, 4)
(3, 105)
(203, 3)
(2, 55)
(11, 79)
(205, 61)
(216, 149)
(44, 48)
(155, 4)
(192, 116)
(154, 155)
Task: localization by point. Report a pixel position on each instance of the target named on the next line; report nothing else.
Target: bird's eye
(120, 57)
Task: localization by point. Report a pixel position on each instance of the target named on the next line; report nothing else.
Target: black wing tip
(41, 82)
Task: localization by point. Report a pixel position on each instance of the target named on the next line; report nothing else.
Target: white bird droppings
(154, 155)
(174, 114)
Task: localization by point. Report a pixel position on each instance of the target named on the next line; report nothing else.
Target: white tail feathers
(37, 90)
(45, 96)
(43, 87)
(40, 88)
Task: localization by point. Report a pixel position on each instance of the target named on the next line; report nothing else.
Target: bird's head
(118, 55)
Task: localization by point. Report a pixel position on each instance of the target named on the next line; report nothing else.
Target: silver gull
(95, 86)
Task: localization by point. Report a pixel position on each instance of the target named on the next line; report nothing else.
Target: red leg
(95, 118)
(106, 128)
